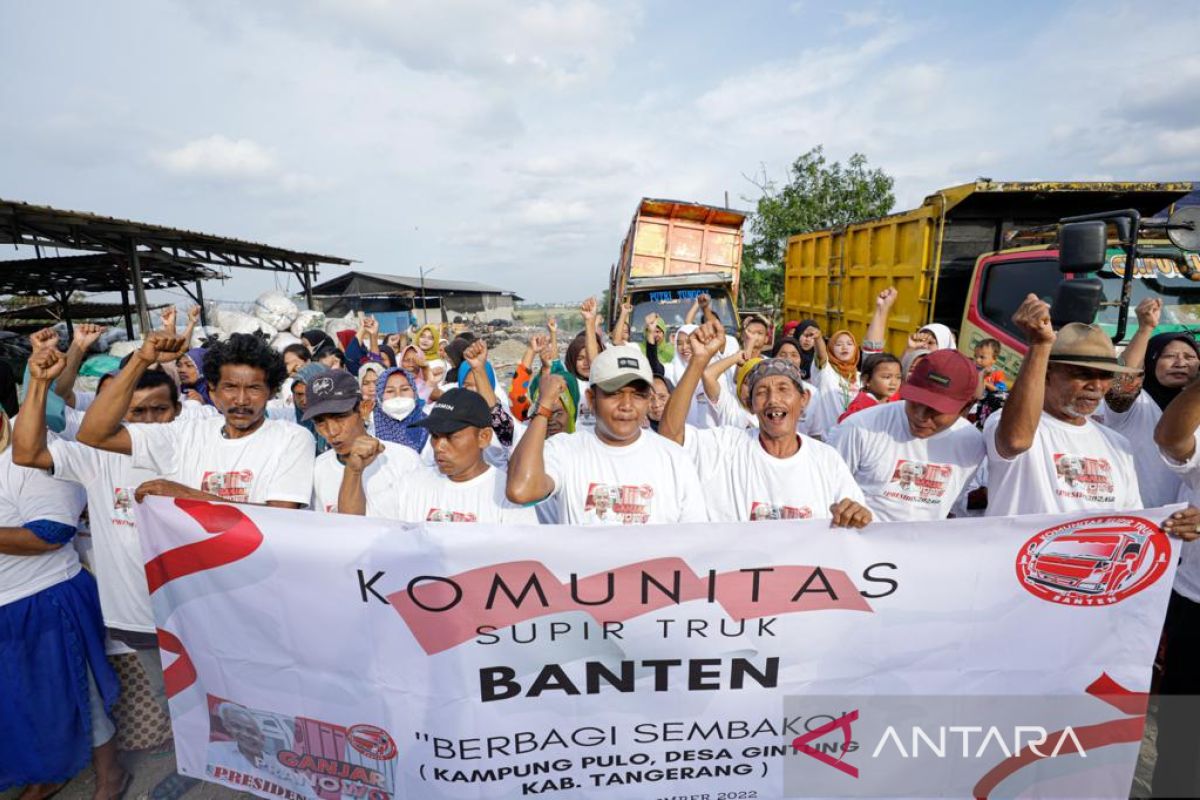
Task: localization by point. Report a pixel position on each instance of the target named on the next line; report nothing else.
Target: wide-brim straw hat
(1087, 346)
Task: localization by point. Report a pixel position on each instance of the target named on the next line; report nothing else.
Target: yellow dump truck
(957, 259)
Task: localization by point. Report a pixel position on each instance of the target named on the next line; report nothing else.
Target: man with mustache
(239, 457)
(771, 472)
(1045, 454)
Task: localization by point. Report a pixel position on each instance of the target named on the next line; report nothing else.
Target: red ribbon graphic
(801, 743)
(436, 631)
(1117, 731)
(237, 537)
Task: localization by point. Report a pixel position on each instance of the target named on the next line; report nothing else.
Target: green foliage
(818, 194)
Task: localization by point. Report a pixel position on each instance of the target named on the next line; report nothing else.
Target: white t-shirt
(586, 419)
(27, 495)
(651, 481)
(741, 482)
(110, 480)
(1187, 577)
(273, 463)
(432, 497)
(833, 396)
(903, 477)
(1159, 485)
(384, 480)
(1068, 468)
(192, 409)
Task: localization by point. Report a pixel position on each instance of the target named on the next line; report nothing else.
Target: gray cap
(334, 391)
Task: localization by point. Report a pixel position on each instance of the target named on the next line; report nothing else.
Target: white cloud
(224, 159)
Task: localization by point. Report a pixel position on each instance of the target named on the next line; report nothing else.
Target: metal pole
(307, 279)
(128, 315)
(139, 290)
(200, 302)
(64, 301)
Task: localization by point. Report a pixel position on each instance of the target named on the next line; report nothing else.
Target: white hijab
(943, 335)
(674, 368)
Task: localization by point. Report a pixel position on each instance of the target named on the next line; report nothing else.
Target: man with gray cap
(769, 473)
(378, 470)
(1045, 454)
(618, 475)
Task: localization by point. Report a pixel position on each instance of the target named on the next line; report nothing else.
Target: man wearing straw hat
(1044, 453)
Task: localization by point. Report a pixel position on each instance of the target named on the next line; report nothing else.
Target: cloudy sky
(509, 142)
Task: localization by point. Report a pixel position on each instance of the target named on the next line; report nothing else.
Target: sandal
(173, 787)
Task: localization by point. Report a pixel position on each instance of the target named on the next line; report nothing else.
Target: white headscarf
(674, 368)
(943, 335)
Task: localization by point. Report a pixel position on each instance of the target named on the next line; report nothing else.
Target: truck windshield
(1075, 548)
(1180, 298)
(672, 305)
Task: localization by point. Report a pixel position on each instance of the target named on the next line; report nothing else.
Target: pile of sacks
(275, 315)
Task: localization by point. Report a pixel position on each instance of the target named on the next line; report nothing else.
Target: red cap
(945, 380)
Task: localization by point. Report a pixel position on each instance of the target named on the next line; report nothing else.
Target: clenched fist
(363, 452)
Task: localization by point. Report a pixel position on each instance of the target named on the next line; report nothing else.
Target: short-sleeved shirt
(1158, 484)
(110, 480)
(27, 495)
(649, 481)
(1187, 577)
(1068, 467)
(904, 477)
(273, 463)
(742, 482)
(432, 497)
(384, 480)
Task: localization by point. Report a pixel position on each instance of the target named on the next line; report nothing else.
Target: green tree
(818, 194)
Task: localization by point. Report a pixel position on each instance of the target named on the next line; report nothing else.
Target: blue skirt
(48, 642)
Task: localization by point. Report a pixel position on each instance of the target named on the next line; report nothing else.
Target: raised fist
(476, 354)
(707, 341)
(550, 389)
(46, 365)
(86, 334)
(1033, 318)
(44, 339)
(161, 346)
(588, 309)
(1149, 312)
(364, 451)
(886, 299)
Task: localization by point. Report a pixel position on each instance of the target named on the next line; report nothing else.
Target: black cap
(334, 391)
(455, 410)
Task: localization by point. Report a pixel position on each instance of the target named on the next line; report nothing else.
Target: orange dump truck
(675, 251)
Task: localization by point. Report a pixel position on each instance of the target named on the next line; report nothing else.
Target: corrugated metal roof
(414, 282)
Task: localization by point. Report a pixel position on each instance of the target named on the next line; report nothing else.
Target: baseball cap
(455, 410)
(945, 380)
(618, 366)
(333, 391)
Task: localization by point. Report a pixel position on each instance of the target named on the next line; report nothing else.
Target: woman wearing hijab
(397, 408)
(701, 413)
(937, 336)
(578, 364)
(569, 400)
(808, 336)
(427, 341)
(316, 338)
(192, 384)
(837, 382)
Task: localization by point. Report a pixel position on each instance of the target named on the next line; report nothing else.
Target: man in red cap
(912, 459)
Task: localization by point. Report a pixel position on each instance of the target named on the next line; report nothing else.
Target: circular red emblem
(372, 742)
(1094, 562)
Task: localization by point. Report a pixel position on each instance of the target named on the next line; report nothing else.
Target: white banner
(312, 655)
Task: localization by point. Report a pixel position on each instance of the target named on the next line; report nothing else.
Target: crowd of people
(686, 425)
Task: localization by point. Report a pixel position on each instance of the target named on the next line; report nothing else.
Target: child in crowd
(995, 382)
(881, 377)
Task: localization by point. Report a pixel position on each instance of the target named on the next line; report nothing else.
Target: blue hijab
(196, 354)
(401, 431)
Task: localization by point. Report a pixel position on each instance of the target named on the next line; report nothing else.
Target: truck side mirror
(1081, 246)
(1077, 300)
(1183, 228)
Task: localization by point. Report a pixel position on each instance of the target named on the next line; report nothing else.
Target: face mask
(399, 407)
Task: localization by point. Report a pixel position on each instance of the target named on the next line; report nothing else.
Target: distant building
(391, 297)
